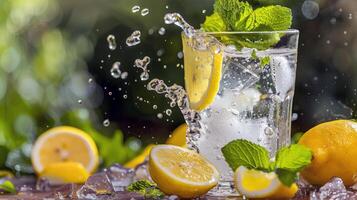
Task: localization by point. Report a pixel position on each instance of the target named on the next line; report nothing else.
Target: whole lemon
(334, 147)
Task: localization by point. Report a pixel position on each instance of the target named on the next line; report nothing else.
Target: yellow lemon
(258, 184)
(64, 144)
(140, 158)
(65, 172)
(180, 171)
(334, 148)
(178, 136)
(203, 68)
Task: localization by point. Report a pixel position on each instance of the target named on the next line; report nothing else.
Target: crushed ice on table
(119, 177)
(333, 190)
(97, 184)
(142, 172)
(43, 184)
(133, 39)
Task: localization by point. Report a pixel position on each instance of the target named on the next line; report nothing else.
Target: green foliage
(146, 188)
(8, 186)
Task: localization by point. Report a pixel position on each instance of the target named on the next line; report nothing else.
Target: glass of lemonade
(239, 92)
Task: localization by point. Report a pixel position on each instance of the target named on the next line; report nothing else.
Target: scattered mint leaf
(213, 23)
(146, 188)
(264, 61)
(286, 177)
(254, 54)
(233, 12)
(245, 153)
(296, 137)
(293, 158)
(8, 186)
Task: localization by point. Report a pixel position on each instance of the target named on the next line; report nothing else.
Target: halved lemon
(258, 184)
(64, 144)
(178, 136)
(65, 172)
(180, 171)
(203, 68)
(140, 158)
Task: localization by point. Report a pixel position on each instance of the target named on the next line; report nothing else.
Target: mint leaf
(269, 18)
(296, 137)
(213, 23)
(293, 158)
(8, 186)
(286, 177)
(233, 12)
(264, 61)
(245, 153)
(146, 188)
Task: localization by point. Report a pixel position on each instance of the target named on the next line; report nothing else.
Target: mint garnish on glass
(240, 16)
(288, 160)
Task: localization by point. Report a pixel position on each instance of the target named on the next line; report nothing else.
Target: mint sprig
(239, 15)
(288, 162)
(8, 186)
(146, 188)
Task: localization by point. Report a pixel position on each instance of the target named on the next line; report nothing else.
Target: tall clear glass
(240, 86)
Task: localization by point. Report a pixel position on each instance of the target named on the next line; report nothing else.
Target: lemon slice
(65, 172)
(180, 171)
(64, 144)
(140, 158)
(257, 184)
(178, 136)
(202, 71)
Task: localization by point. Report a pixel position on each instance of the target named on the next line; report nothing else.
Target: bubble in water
(106, 122)
(168, 112)
(177, 19)
(310, 9)
(124, 75)
(162, 31)
(135, 9)
(143, 64)
(160, 52)
(268, 131)
(115, 70)
(133, 39)
(125, 96)
(159, 115)
(154, 107)
(145, 12)
(80, 101)
(111, 42)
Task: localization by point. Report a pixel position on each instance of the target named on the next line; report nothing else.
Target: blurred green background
(55, 70)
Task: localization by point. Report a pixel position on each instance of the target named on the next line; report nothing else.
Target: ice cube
(142, 172)
(119, 176)
(97, 184)
(283, 75)
(43, 184)
(333, 190)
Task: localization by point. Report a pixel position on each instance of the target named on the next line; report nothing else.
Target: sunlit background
(55, 70)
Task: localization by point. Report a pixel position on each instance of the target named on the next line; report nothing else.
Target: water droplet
(159, 115)
(177, 19)
(268, 131)
(143, 64)
(151, 31)
(345, 32)
(333, 20)
(328, 42)
(203, 11)
(145, 12)
(133, 39)
(168, 112)
(115, 70)
(125, 96)
(294, 117)
(160, 52)
(90, 80)
(124, 75)
(111, 42)
(135, 9)
(106, 122)
(154, 107)
(162, 31)
(310, 9)
(346, 44)
(80, 101)
(110, 93)
(144, 76)
(180, 55)
(349, 16)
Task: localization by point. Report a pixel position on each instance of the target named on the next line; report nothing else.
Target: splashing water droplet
(350, 16)
(90, 80)
(106, 122)
(177, 19)
(135, 9)
(111, 42)
(145, 12)
(125, 96)
(115, 70)
(168, 112)
(160, 52)
(154, 107)
(144, 76)
(133, 39)
(159, 115)
(80, 101)
(203, 11)
(180, 55)
(124, 75)
(310, 9)
(162, 31)
(143, 64)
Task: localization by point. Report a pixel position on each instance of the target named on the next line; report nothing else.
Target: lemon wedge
(178, 136)
(180, 171)
(64, 144)
(258, 184)
(65, 172)
(203, 68)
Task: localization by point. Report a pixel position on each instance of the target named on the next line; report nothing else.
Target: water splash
(106, 122)
(115, 70)
(111, 42)
(135, 9)
(162, 31)
(143, 64)
(133, 39)
(177, 19)
(145, 12)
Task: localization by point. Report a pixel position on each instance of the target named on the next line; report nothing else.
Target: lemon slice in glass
(202, 66)
(180, 171)
(258, 184)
